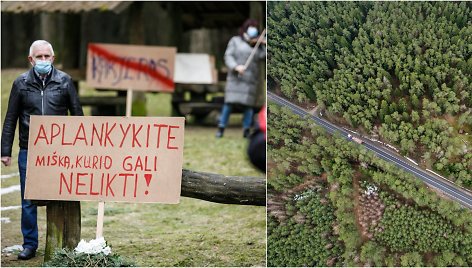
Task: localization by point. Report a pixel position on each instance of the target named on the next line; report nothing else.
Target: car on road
(354, 139)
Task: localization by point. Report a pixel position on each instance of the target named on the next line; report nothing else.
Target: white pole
(100, 215)
(129, 102)
(101, 205)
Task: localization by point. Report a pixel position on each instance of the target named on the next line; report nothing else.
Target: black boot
(246, 132)
(219, 133)
(27, 254)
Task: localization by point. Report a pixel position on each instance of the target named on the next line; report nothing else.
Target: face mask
(252, 32)
(42, 66)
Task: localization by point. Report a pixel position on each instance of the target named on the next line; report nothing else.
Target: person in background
(43, 90)
(241, 81)
(257, 142)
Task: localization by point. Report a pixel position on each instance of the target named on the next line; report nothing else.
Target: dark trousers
(226, 112)
(29, 212)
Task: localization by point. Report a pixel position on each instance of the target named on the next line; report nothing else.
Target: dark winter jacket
(30, 96)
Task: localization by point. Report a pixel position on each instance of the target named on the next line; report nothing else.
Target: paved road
(454, 192)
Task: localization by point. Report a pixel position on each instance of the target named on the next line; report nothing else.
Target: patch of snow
(10, 189)
(411, 160)
(12, 249)
(302, 195)
(371, 190)
(10, 208)
(6, 176)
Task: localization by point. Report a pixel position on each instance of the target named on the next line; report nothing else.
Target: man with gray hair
(43, 90)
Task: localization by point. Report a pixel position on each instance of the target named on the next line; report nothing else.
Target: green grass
(192, 233)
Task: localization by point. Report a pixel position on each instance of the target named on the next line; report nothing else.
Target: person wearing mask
(43, 90)
(242, 79)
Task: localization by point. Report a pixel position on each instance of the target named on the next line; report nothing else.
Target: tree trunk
(63, 226)
(48, 27)
(257, 12)
(136, 37)
(224, 189)
(71, 46)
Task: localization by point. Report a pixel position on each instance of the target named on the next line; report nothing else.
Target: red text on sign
(108, 135)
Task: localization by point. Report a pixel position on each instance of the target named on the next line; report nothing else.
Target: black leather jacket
(30, 96)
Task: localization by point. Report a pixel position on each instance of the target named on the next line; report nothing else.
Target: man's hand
(6, 160)
(240, 69)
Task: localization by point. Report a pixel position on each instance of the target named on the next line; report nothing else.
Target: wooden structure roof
(63, 6)
(194, 14)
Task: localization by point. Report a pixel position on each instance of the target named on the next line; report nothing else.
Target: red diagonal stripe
(132, 65)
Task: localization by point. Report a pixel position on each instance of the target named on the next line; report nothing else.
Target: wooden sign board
(148, 68)
(129, 159)
(194, 68)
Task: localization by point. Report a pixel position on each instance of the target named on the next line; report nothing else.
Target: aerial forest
(331, 202)
(400, 72)
(396, 72)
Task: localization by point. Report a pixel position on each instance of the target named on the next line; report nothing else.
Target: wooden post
(100, 215)
(63, 218)
(63, 226)
(129, 102)
(101, 205)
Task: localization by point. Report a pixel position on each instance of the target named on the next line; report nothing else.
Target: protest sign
(148, 68)
(130, 159)
(193, 68)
